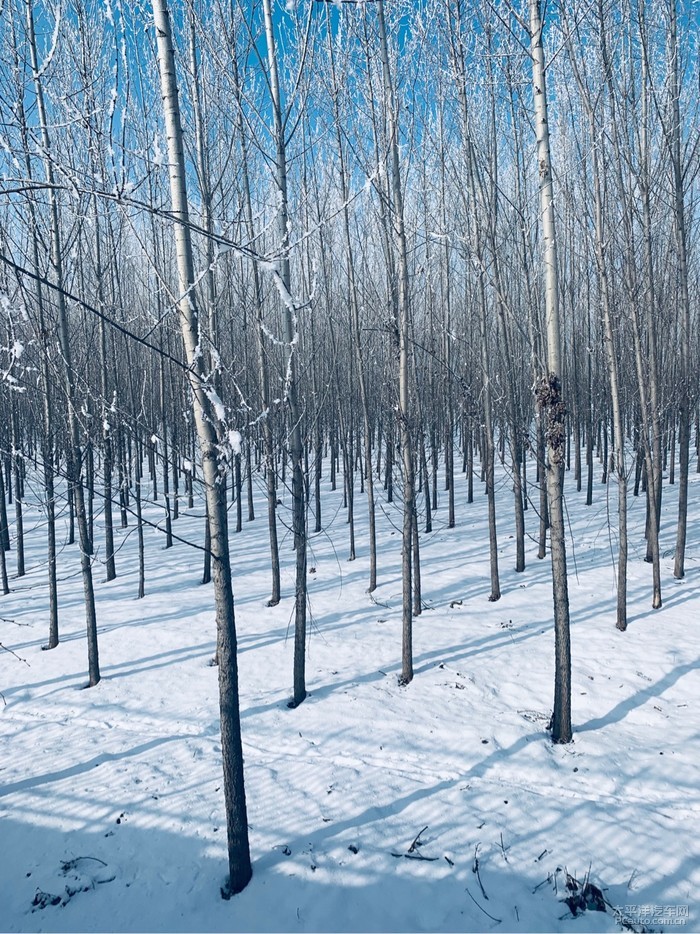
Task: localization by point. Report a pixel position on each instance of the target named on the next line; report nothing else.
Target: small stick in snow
(416, 840)
(497, 920)
(475, 870)
(504, 849)
(18, 657)
(4, 619)
(411, 851)
(72, 863)
(378, 602)
(541, 855)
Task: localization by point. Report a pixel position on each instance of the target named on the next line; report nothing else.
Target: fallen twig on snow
(18, 657)
(376, 602)
(411, 851)
(497, 920)
(416, 840)
(475, 870)
(4, 619)
(72, 863)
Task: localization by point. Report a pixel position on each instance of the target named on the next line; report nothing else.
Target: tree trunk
(211, 433)
(685, 396)
(402, 304)
(74, 458)
(550, 393)
(263, 368)
(355, 331)
(283, 282)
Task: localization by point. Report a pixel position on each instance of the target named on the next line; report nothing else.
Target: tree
(402, 327)
(609, 342)
(284, 282)
(75, 455)
(211, 431)
(549, 391)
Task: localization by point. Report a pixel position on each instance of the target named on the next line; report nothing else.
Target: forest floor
(371, 805)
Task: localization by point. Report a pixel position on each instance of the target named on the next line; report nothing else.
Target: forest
(349, 290)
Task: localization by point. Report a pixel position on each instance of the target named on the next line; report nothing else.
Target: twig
(19, 659)
(4, 619)
(416, 839)
(376, 602)
(497, 920)
(77, 859)
(427, 859)
(475, 870)
(503, 848)
(541, 855)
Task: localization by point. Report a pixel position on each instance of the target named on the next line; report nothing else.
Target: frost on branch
(230, 440)
(14, 349)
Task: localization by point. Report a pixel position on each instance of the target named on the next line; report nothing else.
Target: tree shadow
(620, 711)
(82, 767)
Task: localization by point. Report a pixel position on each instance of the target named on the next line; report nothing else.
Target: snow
(111, 799)
(159, 154)
(216, 403)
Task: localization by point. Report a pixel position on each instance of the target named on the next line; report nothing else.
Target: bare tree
(550, 390)
(211, 431)
(75, 456)
(284, 281)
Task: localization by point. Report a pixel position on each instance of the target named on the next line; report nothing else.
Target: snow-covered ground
(111, 799)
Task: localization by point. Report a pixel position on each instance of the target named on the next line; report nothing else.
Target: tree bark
(550, 392)
(211, 433)
(397, 218)
(295, 444)
(74, 453)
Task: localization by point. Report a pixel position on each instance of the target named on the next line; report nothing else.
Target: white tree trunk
(210, 431)
(550, 393)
